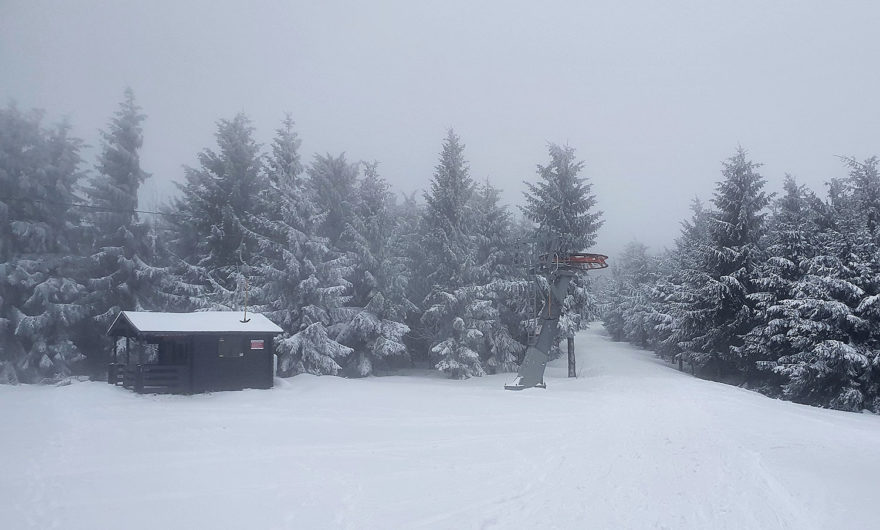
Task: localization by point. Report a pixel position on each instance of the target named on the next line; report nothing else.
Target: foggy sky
(652, 95)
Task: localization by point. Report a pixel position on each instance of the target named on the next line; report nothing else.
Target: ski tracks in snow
(631, 444)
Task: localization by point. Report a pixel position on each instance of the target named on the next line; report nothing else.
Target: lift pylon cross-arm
(559, 271)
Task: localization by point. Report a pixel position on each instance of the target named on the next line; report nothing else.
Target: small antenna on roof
(245, 319)
(244, 272)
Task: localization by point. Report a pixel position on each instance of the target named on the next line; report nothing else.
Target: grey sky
(653, 95)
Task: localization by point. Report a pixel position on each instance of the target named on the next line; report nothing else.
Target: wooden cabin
(192, 352)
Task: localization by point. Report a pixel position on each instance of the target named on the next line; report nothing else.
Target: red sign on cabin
(257, 344)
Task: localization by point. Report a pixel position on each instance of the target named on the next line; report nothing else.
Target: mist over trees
(777, 294)
(780, 294)
(361, 280)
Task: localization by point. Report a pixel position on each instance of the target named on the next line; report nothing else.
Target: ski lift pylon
(559, 271)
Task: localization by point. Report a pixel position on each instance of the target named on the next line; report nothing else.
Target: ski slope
(631, 443)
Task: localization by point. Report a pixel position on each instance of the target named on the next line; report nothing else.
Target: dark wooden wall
(212, 372)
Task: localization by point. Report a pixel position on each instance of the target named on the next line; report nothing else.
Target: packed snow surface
(631, 443)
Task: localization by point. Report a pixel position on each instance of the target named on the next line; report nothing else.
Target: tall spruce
(299, 283)
(212, 219)
(563, 209)
(331, 183)
(40, 294)
(499, 297)
(722, 304)
(121, 272)
(833, 315)
(791, 243)
(284, 230)
(376, 327)
(449, 263)
(687, 279)
(445, 225)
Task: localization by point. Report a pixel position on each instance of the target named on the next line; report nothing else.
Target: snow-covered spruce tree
(376, 329)
(456, 352)
(722, 306)
(640, 273)
(864, 178)
(483, 288)
(499, 298)
(824, 324)
(332, 184)
(791, 241)
(688, 279)
(492, 233)
(831, 319)
(315, 352)
(39, 293)
(211, 221)
(446, 230)
(297, 280)
(121, 271)
(831, 359)
(449, 263)
(563, 209)
(663, 302)
(627, 304)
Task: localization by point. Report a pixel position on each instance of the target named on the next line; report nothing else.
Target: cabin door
(231, 363)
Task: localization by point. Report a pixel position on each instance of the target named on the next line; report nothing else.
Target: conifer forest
(775, 293)
(778, 293)
(361, 280)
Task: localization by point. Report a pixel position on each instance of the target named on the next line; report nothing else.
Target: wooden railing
(114, 373)
(151, 378)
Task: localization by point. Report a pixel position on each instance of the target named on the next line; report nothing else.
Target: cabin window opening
(230, 347)
(141, 352)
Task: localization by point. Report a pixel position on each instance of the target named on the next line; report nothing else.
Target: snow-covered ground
(631, 443)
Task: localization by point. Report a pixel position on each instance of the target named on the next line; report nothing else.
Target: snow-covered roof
(201, 322)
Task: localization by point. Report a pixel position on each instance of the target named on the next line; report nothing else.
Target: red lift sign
(257, 344)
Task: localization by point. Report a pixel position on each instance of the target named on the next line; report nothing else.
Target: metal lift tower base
(531, 372)
(516, 386)
(559, 272)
